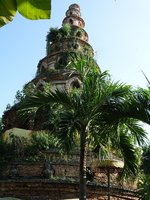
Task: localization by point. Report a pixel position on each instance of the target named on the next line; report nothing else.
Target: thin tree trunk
(83, 155)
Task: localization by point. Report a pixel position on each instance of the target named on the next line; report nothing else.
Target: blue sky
(119, 32)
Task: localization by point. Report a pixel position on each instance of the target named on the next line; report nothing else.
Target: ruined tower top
(73, 16)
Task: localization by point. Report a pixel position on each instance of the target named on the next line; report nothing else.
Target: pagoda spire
(73, 16)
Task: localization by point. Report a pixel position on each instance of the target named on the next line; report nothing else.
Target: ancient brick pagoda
(54, 65)
(39, 180)
(70, 40)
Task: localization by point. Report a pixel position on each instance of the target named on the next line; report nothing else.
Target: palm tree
(100, 109)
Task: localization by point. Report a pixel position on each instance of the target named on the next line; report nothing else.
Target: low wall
(38, 170)
(52, 181)
(39, 189)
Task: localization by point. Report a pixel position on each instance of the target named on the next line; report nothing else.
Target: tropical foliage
(144, 178)
(30, 9)
(99, 111)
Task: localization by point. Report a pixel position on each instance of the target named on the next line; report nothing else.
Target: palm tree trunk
(83, 155)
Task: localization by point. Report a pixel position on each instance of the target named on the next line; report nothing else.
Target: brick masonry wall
(34, 169)
(39, 189)
(45, 181)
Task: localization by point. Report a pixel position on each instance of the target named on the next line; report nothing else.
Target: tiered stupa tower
(71, 39)
(63, 44)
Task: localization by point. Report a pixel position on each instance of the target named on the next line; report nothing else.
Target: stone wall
(38, 170)
(39, 189)
(52, 181)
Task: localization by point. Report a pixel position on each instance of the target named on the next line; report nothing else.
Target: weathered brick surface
(36, 169)
(27, 181)
(39, 189)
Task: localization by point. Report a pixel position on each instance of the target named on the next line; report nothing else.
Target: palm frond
(137, 131)
(138, 105)
(128, 150)
(84, 65)
(65, 130)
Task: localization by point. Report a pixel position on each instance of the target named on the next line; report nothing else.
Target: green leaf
(8, 10)
(34, 9)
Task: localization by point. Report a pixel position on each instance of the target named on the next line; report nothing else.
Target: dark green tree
(144, 187)
(144, 179)
(146, 159)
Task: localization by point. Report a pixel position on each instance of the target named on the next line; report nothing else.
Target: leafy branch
(29, 9)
